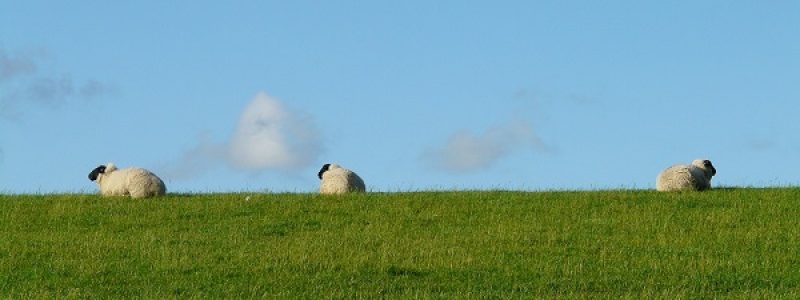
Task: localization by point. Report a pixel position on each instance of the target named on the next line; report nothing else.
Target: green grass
(740, 243)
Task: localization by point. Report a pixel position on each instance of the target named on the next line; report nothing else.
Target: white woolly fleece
(696, 176)
(136, 182)
(338, 180)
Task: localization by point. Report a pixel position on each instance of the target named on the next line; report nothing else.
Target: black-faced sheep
(134, 182)
(696, 176)
(338, 180)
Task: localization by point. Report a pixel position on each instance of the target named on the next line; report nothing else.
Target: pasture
(741, 243)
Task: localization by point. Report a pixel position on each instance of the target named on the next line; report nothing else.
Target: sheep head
(96, 172)
(706, 166)
(102, 169)
(325, 168)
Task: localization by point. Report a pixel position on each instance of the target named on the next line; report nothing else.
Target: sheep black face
(708, 165)
(96, 172)
(323, 170)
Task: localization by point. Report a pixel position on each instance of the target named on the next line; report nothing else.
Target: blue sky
(412, 95)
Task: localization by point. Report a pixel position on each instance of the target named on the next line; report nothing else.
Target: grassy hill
(621, 244)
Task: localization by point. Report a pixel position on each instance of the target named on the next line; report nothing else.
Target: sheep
(696, 176)
(136, 182)
(338, 180)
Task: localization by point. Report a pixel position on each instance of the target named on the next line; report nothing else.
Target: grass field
(742, 243)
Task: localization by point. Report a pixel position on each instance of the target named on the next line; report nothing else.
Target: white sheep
(696, 176)
(338, 180)
(136, 182)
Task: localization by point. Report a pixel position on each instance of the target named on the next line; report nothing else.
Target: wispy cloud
(269, 137)
(760, 144)
(466, 152)
(13, 66)
(92, 89)
(540, 97)
(203, 157)
(23, 82)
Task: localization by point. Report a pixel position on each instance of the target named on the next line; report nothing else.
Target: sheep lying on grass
(136, 182)
(696, 176)
(338, 180)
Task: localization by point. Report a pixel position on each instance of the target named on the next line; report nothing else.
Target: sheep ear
(110, 168)
(325, 168)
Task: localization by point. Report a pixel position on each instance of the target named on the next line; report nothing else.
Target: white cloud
(467, 152)
(269, 137)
